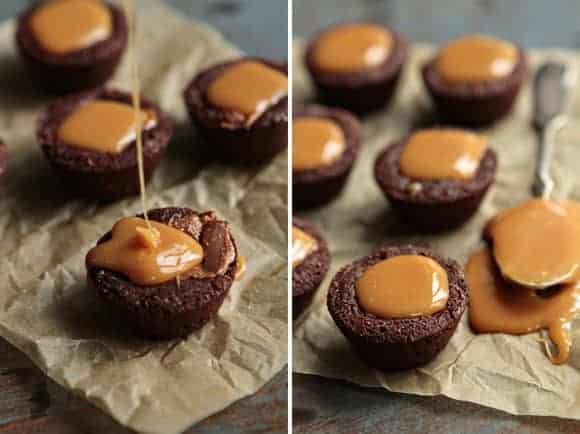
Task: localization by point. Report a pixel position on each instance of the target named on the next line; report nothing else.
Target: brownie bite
(240, 109)
(62, 58)
(435, 179)
(310, 263)
(356, 66)
(326, 143)
(475, 80)
(413, 324)
(74, 133)
(185, 302)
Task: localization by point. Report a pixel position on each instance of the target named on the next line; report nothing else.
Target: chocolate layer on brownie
(308, 274)
(226, 131)
(175, 308)
(80, 70)
(395, 344)
(104, 176)
(474, 104)
(318, 186)
(432, 205)
(362, 91)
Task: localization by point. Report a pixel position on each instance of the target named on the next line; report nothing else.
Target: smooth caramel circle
(316, 142)
(352, 48)
(476, 59)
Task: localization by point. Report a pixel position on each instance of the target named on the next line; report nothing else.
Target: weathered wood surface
(29, 402)
(330, 406)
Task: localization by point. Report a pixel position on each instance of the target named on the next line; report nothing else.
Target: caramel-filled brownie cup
(175, 308)
(356, 66)
(314, 186)
(230, 133)
(310, 263)
(396, 343)
(69, 70)
(101, 175)
(434, 204)
(472, 96)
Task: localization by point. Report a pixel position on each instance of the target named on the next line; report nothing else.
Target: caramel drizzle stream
(136, 97)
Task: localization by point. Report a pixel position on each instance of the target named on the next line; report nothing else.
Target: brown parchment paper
(47, 311)
(500, 371)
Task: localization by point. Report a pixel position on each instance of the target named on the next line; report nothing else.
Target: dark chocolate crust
(81, 70)
(437, 205)
(227, 135)
(316, 187)
(363, 91)
(171, 310)
(395, 344)
(309, 274)
(475, 104)
(98, 175)
(3, 158)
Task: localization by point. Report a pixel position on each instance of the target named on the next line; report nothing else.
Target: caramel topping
(537, 243)
(353, 47)
(402, 287)
(240, 267)
(438, 154)
(302, 246)
(316, 142)
(103, 126)
(65, 26)
(476, 59)
(499, 307)
(146, 259)
(248, 87)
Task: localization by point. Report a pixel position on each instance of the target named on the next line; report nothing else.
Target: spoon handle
(543, 184)
(552, 88)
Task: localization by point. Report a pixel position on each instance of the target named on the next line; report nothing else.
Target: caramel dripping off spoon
(553, 85)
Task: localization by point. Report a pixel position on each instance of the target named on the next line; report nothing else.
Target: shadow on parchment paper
(16, 89)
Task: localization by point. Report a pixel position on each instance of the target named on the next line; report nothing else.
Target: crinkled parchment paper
(505, 372)
(47, 311)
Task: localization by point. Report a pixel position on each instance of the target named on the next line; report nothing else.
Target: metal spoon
(553, 86)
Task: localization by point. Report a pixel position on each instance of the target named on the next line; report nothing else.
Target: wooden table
(29, 402)
(329, 406)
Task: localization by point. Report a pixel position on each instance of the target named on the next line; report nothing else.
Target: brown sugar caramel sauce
(104, 126)
(438, 154)
(248, 87)
(402, 287)
(65, 26)
(316, 142)
(302, 245)
(497, 306)
(476, 59)
(352, 48)
(143, 258)
(536, 242)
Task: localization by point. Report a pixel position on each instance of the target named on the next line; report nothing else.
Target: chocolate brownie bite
(475, 80)
(356, 66)
(326, 143)
(168, 280)
(64, 58)
(240, 109)
(435, 179)
(399, 306)
(310, 263)
(90, 139)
